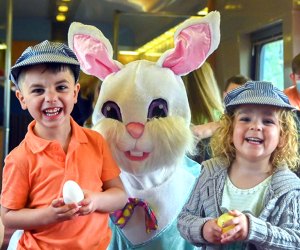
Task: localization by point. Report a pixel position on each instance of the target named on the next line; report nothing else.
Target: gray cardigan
(278, 225)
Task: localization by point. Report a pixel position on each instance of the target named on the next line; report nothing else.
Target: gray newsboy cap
(45, 52)
(256, 92)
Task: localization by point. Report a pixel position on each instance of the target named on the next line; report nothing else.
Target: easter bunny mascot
(143, 112)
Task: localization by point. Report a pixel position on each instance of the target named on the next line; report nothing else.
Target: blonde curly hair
(285, 153)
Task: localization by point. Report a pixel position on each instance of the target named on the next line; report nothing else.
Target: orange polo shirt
(293, 96)
(34, 175)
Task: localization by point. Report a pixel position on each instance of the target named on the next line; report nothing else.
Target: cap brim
(258, 101)
(40, 59)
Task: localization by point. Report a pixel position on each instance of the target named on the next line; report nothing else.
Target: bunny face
(136, 86)
(142, 108)
(143, 112)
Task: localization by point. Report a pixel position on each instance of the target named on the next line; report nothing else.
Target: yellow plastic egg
(222, 219)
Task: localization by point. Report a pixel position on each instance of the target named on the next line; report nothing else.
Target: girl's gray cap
(45, 52)
(256, 92)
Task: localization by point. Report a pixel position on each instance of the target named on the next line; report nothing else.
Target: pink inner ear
(191, 49)
(93, 56)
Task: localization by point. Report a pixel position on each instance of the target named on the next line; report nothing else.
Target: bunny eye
(111, 110)
(158, 108)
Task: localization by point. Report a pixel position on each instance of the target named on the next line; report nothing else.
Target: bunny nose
(135, 129)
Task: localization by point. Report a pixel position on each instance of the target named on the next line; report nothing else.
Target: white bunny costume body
(143, 113)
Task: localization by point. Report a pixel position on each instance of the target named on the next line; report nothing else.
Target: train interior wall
(234, 53)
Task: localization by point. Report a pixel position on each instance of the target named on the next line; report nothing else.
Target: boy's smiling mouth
(52, 111)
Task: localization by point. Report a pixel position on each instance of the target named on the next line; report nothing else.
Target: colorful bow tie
(122, 216)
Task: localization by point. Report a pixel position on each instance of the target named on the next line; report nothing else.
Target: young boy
(293, 92)
(56, 149)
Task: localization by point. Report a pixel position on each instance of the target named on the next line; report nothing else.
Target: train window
(271, 63)
(267, 55)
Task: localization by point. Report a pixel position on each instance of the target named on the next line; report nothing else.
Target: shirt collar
(38, 144)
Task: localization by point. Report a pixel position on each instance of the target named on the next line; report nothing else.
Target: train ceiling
(137, 21)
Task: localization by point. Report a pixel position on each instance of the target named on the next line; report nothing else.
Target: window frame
(259, 38)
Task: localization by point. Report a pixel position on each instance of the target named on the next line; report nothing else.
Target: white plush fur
(166, 139)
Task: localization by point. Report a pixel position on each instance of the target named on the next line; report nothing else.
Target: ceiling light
(130, 53)
(233, 7)
(155, 47)
(3, 46)
(60, 17)
(63, 8)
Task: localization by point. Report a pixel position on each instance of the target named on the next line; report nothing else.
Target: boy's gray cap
(256, 92)
(45, 52)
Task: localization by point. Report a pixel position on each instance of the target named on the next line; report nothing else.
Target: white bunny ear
(195, 40)
(93, 50)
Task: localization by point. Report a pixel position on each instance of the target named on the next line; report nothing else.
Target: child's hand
(87, 204)
(240, 230)
(212, 232)
(61, 211)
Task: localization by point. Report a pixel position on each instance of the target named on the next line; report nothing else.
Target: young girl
(249, 176)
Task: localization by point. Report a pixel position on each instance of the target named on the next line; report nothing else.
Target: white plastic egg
(72, 192)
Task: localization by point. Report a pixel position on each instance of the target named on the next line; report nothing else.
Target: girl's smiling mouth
(254, 140)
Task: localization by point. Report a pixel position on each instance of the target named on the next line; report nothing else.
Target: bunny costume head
(143, 113)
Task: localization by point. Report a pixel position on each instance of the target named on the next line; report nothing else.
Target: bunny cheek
(164, 151)
(131, 154)
(151, 150)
